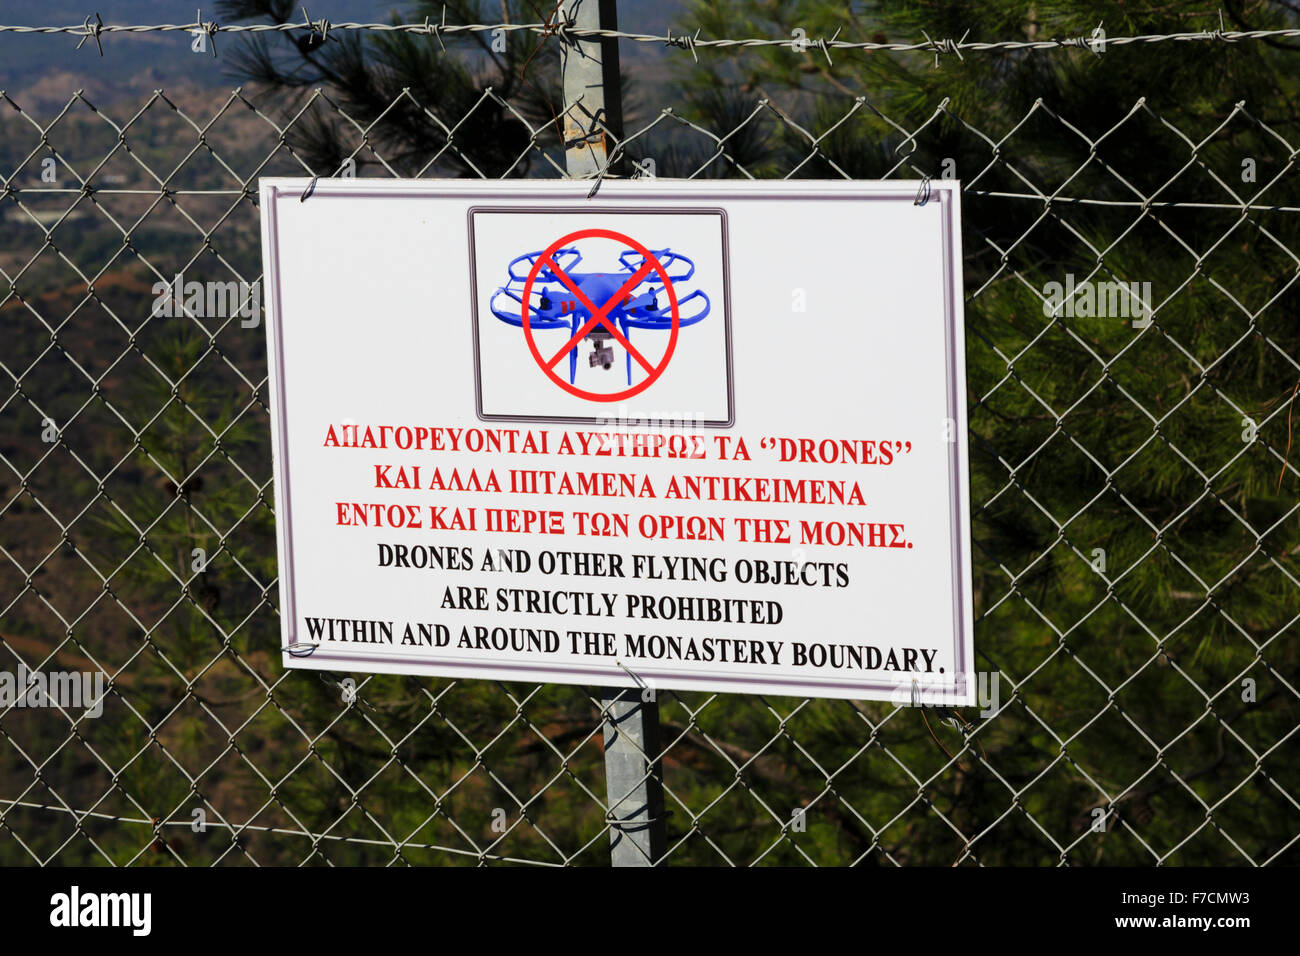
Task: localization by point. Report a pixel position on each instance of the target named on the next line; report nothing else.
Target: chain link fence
(1132, 364)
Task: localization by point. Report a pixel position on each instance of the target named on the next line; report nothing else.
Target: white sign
(695, 435)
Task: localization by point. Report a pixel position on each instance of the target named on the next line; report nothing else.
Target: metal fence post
(592, 114)
(592, 102)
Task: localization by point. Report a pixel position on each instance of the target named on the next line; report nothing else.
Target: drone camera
(602, 353)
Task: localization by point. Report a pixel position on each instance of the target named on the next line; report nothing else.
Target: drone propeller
(648, 315)
(544, 274)
(666, 258)
(546, 313)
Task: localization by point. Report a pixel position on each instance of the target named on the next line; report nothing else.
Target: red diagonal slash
(598, 315)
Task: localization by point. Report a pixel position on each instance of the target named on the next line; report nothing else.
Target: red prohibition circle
(655, 265)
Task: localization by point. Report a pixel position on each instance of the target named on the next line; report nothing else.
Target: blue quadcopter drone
(553, 304)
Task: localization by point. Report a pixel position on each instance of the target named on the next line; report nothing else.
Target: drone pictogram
(602, 307)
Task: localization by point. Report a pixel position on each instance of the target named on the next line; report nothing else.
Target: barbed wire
(688, 41)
